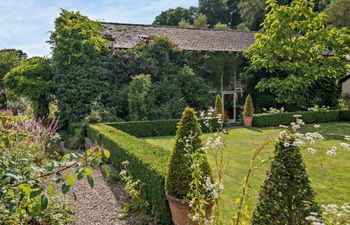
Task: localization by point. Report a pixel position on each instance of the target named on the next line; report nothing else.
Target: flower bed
(147, 164)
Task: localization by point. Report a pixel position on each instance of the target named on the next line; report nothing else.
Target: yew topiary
(248, 107)
(219, 107)
(286, 196)
(179, 169)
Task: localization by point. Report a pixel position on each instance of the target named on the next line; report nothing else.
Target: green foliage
(27, 172)
(147, 163)
(33, 80)
(252, 13)
(294, 51)
(147, 128)
(344, 115)
(215, 10)
(172, 17)
(138, 97)
(152, 128)
(9, 58)
(219, 107)
(193, 88)
(179, 169)
(248, 107)
(338, 13)
(325, 92)
(79, 65)
(174, 85)
(286, 196)
(276, 119)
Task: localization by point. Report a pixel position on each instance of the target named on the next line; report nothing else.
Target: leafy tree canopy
(79, 64)
(33, 80)
(172, 17)
(296, 48)
(338, 13)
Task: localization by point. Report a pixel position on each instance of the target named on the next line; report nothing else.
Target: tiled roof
(128, 35)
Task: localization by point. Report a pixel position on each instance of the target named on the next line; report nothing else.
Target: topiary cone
(286, 196)
(248, 112)
(179, 170)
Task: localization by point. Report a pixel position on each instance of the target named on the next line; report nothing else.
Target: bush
(179, 169)
(344, 115)
(147, 163)
(219, 107)
(286, 196)
(147, 128)
(153, 128)
(276, 119)
(248, 107)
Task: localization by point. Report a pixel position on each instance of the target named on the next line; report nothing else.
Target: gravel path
(99, 205)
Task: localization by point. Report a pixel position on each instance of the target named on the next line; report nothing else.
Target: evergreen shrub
(286, 196)
(147, 163)
(248, 107)
(179, 169)
(276, 119)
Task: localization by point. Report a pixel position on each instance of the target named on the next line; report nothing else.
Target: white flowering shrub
(331, 215)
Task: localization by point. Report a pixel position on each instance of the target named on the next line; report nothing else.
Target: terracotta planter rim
(172, 198)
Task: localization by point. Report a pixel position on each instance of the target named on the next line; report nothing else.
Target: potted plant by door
(179, 174)
(248, 112)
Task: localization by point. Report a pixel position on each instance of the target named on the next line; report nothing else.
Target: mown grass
(329, 176)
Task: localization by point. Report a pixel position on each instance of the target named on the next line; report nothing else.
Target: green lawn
(330, 177)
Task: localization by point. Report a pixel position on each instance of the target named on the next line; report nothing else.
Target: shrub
(139, 90)
(276, 119)
(219, 107)
(179, 168)
(248, 107)
(147, 128)
(79, 64)
(344, 115)
(147, 163)
(286, 196)
(152, 128)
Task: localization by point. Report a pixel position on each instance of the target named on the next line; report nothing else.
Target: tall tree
(338, 13)
(215, 10)
(79, 65)
(252, 13)
(32, 79)
(9, 58)
(172, 17)
(234, 18)
(297, 51)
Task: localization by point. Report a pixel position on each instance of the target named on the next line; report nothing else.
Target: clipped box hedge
(147, 128)
(153, 128)
(276, 119)
(147, 163)
(344, 115)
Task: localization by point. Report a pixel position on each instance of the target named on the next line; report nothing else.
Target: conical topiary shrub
(286, 196)
(248, 107)
(179, 171)
(248, 112)
(219, 108)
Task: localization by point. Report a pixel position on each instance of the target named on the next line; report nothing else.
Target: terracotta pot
(248, 121)
(180, 210)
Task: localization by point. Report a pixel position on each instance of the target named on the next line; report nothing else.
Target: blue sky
(25, 24)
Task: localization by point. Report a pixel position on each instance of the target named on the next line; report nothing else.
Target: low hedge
(276, 119)
(344, 115)
(147, 128)
(154, 128)
(148, 164)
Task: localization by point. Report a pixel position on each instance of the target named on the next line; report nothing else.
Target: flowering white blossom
(311, 150)
(298, 143)
(347, 137)
(345, 146)
(286, 144)
(317, 126)
(332, 151)
(195, 217)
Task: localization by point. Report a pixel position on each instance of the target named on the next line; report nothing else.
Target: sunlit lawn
(330, 176)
